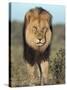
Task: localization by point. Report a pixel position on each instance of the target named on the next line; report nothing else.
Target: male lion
(37, 35)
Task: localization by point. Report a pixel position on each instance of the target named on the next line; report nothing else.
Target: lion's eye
(34, 29)
(44, 29)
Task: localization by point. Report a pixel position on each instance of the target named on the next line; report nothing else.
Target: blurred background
(19, 75)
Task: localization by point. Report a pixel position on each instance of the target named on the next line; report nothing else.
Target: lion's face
(38, 33)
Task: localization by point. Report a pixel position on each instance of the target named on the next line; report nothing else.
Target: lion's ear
(46, 16)
(49, 19)
(28, 17)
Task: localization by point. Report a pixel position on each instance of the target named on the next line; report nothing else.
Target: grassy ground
(19, 75)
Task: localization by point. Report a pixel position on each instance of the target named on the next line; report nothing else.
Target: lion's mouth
(40, 44)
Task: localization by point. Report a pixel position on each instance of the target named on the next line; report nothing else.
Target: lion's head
(38, 29)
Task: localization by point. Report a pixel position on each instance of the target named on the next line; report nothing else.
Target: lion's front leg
(44, 68)
(31, 74)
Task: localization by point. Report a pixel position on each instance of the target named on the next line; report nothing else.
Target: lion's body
(37, 35)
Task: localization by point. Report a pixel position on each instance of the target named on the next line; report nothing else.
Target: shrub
(57, 67)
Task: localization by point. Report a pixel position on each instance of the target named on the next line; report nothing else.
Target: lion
(37, 37)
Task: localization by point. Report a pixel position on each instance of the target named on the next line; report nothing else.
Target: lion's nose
(39, 36)
(40, 39)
